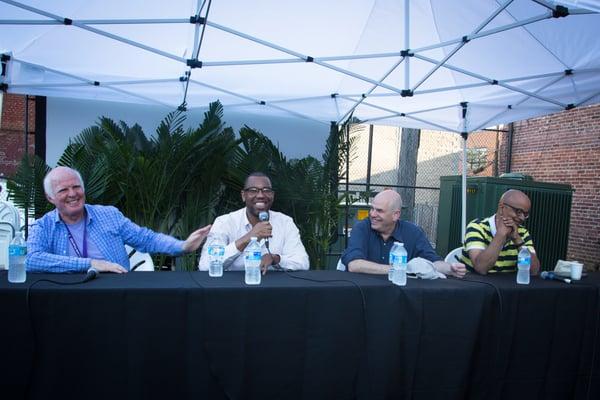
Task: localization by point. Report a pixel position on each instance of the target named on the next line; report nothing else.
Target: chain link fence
(376, 164)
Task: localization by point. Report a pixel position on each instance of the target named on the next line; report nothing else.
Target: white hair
(49, 179)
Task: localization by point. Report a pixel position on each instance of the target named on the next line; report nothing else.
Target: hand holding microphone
(264, 217)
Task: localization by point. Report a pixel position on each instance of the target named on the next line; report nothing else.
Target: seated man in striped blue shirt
(76, 237)
(492, 244)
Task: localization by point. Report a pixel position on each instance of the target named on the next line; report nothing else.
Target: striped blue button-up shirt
(107, 228)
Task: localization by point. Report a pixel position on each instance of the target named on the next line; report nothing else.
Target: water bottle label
(17, 250)
(524, 261)
(393, 258)
(216, 251)
(253, 255)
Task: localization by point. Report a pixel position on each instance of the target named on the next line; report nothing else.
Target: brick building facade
(565, 148)
(12, 132)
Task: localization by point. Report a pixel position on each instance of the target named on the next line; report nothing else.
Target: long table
(300, 335)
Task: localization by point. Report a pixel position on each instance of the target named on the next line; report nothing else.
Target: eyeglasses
(267, 191)
(519, 211)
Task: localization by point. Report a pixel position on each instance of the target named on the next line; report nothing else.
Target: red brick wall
(565, 148)
(12, 140)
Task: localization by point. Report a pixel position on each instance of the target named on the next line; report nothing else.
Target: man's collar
(396, 233)
(492, 221)
(88, 215)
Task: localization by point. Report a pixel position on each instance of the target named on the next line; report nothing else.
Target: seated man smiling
(372, 239)
(285, 247)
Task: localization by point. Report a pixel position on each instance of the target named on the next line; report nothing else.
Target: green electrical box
(548, 222)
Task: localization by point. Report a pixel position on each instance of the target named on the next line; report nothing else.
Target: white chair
(10, 214)
(7, 232)
(136, 258)
(451, 257)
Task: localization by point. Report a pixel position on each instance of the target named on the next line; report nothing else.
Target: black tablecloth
(303, 335)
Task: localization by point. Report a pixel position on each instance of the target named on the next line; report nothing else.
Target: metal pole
(347, 183)
(369, 158)
(463, 221)
(26, 154)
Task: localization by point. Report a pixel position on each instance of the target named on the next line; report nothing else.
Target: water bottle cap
(253, 238)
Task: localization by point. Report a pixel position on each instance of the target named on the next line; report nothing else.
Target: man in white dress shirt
(236, 228)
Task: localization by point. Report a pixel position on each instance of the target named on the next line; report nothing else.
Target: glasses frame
(267, 191)
(518, 211)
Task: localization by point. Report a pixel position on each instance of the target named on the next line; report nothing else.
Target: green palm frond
(26, 188)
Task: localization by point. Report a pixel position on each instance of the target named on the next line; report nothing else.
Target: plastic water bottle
(400, 265)
(17, 250)
(216, 254)
(393, 255)
(523, 266)
(252, 257)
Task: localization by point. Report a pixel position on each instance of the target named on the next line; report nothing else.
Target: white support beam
(462, 43)
(490, 81)
(365, 95)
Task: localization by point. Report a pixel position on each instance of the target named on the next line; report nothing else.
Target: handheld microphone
(92, 273)
(551, 276)
(264, 216)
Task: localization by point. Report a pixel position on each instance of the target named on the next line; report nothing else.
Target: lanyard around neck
(74, 244)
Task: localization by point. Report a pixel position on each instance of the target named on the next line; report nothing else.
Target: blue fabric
(107, 228)
(366, 244)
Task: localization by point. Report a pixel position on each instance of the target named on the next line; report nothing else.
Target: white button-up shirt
(285, 241)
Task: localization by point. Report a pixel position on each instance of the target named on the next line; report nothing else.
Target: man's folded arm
(294, 254)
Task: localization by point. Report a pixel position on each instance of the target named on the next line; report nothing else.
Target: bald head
(56, 175)
(390, 199)
(514, 204)
(515, 196)
(385, 212)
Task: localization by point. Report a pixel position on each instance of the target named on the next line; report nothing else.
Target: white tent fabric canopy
(447, 65)
(417, 63)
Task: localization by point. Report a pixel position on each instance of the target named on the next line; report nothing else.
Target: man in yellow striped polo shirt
(492, 244)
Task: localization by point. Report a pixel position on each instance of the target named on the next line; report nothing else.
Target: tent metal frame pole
(492, 81)
(488, 32)
(486, 83)
(508, 108)
(464, 134)
(302, 56)
(429, 123)
(463, 218)
(150, 21)
(94, 83)
(257, 102)
(375, 86)
(97, 31)
(407, 43)
(588, 99)
(462, 43)
(404, 115)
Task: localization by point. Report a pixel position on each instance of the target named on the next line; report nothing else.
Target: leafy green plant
(179, 180)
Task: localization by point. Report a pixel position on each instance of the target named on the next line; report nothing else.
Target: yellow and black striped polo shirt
(479, 235)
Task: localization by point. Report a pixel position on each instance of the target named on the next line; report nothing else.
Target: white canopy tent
(437, 64)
